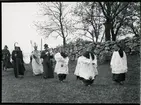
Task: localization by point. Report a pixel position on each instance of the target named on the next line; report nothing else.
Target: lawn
(32, 89)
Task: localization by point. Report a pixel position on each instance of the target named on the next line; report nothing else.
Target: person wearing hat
(6, 58)
(86, 68)
(36, 61)
(46, 55)
(118, 64)
(18, 62)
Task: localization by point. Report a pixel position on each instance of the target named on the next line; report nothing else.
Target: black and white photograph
(70, 52)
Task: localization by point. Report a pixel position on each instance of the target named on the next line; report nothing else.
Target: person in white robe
(36, 62)
(86, 68)
(118, 64)
(61, 67)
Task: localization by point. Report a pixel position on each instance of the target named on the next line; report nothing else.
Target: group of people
(85, 71)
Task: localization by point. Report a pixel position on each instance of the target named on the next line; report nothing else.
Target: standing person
(18, 62)
(86, 68)
(6, 58)
(118, 64)
(36, 62)
(47, 66)
(61, 67)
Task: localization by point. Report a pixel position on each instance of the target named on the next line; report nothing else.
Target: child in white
(61, 67)
(118, 64)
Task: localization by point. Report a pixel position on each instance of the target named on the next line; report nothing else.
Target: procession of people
(86, 68)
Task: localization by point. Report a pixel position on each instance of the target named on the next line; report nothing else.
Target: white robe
(37, 63)
(85, 68)
(61, 61)
(118, 64)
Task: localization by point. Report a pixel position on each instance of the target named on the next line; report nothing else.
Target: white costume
(36, 63)
(85, 68)
(61, 61)
(118, 64)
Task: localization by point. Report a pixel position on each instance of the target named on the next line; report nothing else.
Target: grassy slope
(37, 90)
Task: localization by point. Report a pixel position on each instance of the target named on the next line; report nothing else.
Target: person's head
(16, 48)
(116, 47)
(87, 55)
(35, 47)
(46, 46)
(5, 47)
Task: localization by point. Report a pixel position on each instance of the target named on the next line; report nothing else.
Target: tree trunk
(64, 42)
(114, 37)
(107, 31)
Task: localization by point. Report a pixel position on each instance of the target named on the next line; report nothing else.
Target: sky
(17, 26)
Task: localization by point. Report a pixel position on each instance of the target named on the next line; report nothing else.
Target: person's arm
(22, 57)
(42, 54)
(13, 56)
(8, 53)
(125, 61)
(112, 59)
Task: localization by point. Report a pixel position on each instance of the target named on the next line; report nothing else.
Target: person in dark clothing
(47, 64)
(18, 62)
(6, 58)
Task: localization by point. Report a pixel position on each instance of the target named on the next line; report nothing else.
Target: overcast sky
(17, 26)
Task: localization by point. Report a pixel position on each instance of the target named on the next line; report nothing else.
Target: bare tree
(59, 23)
(89, 14)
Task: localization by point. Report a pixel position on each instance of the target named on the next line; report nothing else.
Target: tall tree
(133, 20)
(58, 24)
(111, 11)
(89, 14)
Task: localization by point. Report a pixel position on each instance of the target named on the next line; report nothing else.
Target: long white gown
(36, 63)
(61, 61)
(118, 64)
(85, 68)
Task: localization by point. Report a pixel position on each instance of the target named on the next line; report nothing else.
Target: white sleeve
(77, 67)
(112, 59)
(57, 57)
(125, 60)
(85, 60)
(67, 60)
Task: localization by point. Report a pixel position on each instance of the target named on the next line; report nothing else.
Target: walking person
(47, 64)
(119, 65)
(61, 67)
(86, 68)
(18, 62)
(36, 62)
(6, 58)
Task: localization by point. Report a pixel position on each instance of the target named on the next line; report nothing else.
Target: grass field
(38, 90)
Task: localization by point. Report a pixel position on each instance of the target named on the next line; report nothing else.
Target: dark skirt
(86, 81)
(7, 64)
(19, 68)
(48, 70)
(79, 78)
(119, 77)
(62, 76)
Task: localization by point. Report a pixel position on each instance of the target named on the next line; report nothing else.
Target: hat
(16, 44)
(6, 46)
(46, 45)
